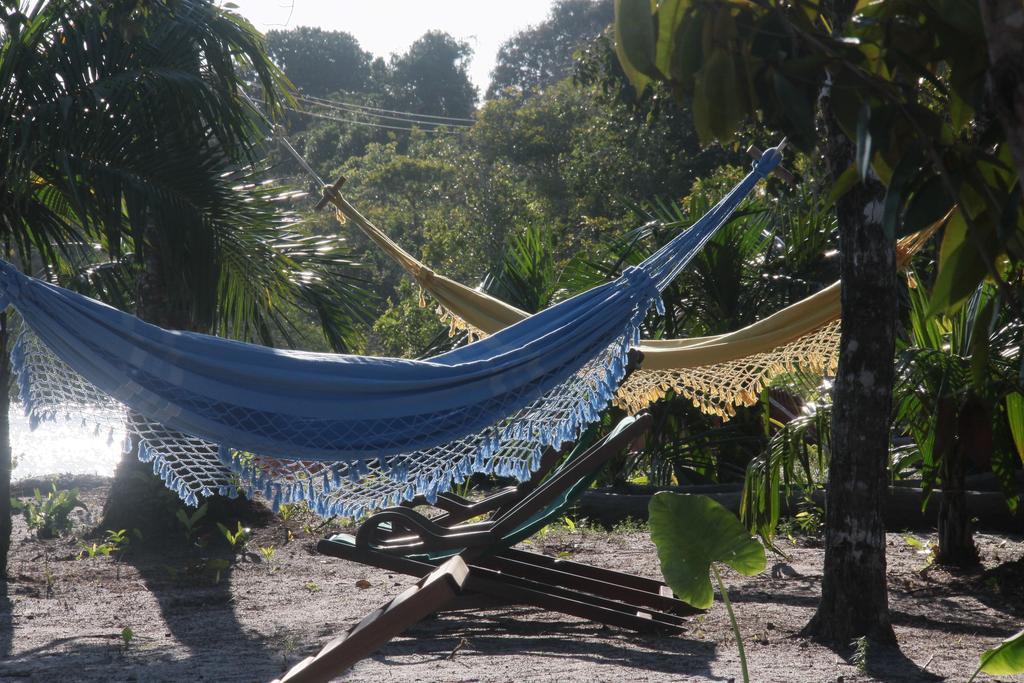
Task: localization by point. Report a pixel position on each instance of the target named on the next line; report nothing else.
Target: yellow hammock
(716, 373)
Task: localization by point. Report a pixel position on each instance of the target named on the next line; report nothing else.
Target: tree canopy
(544, 54)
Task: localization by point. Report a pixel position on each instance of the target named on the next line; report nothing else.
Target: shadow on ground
(475, 639)
(6, 622)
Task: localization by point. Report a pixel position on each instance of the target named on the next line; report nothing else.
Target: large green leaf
(670, 15)
(960, 268)
(1015, 416)
(690, 533)
(635, 41)
(1007, 658)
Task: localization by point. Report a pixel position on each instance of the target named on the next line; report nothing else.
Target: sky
(383, 27)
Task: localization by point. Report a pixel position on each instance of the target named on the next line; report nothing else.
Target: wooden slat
(426, 597)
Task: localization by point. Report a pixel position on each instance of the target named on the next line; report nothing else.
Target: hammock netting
(347, 434)
(720, 388)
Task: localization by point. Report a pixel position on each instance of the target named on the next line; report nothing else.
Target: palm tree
(124, 126)
(955, 375)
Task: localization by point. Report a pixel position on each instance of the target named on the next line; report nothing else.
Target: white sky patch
(384, 27)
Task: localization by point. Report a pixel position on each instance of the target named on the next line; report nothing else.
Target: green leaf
(903, 175)
(960, 268)
(721, 90)
(635, 41)
(670, 16)
(847, 179)
(1007, 658)
(929, 203)
(690, 533)
(959, 111)
(798, 104)
(1015, 416)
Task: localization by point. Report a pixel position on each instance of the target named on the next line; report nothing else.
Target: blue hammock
(381, 429)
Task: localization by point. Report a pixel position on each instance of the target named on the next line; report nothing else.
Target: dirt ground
(62, 618)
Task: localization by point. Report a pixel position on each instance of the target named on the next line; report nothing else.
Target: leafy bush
(49, 516)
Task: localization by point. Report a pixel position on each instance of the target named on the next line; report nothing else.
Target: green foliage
(406, 329)
(528, 276)
(190, 521)
(1015, 418)
(861, 653)
(957, 379)
(432, 77)
(216, 566)
(543, 55)
(320, 62)
(113, 543)
(267, 552)
(796, 458)
(287, 511)
(127, 636)
(1004, 660)
(691, 533)
(49, 515)
(237, 538)
(905, 80)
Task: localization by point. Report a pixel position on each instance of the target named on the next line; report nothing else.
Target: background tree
(320, 62)
(543, 55)
(432, 77)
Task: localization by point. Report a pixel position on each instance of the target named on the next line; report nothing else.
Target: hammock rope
(347, 434)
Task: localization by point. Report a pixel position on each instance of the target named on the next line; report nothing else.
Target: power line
(410, 114)
(357, 122)
(311, 102)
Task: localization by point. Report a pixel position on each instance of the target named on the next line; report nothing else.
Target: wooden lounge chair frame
(433, 592)
(405, 541)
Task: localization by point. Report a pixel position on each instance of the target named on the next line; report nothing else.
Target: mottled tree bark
(854, 595)
(1004, 27)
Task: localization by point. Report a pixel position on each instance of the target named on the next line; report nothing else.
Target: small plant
(692, 534)
(49, 516)
(929, 550)
(287, 511)
(237, 538)
(114, 541)
(267, 553)
(49, 579)
(810, 519)
(191, 521)
(216, 566)
(1004, 660)
(127, 635)
(312, 587)
(860, 654)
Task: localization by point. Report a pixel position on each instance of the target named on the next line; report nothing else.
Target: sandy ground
(61, 618)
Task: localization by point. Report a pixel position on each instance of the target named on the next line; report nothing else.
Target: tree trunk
(854, 595)
(5, 444)
(956, 535)
(138, 499)
(967, 435)
(1004, 27)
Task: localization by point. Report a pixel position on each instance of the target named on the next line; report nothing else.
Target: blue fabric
(344, 408)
